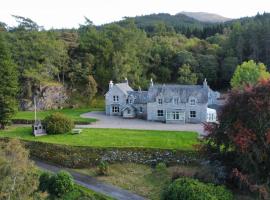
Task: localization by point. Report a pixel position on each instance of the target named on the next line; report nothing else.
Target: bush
(58, 123)
(60, 184)
(103, 168)
(44, 181)
(192, 189)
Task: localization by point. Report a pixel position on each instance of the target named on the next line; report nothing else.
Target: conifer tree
(8, 86)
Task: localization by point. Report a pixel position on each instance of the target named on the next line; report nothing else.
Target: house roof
(140, 97)
(183, 92)
(124, 87)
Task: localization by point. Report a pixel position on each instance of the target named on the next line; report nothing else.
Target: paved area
(93, 184)
(105, 121)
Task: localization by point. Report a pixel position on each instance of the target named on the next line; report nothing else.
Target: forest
(168, 49)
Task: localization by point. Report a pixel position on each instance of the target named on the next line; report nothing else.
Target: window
(160, 113)
(192, 114)
(128, 111)
(175, 101)
(192, 102)
(115, 109)
(130, 101)
(141, 109)
(176, 115)
(115, 98)
(159, 101)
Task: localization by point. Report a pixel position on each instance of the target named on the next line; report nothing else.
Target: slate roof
(184, 92)
(124, 87)
(140, 97)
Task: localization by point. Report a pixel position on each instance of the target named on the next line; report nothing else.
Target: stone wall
(52, 96)
(81, 157)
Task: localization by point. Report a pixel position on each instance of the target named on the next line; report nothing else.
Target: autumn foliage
(242, 137)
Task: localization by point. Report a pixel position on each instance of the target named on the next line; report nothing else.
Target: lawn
(113, 138)
(72, 113)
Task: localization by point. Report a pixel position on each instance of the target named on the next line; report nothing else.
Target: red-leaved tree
(242, 137)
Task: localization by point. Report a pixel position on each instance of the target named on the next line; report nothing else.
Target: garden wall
(80, 157)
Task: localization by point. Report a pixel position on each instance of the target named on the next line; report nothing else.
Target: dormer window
(175, 100)
(115, 98)
(160, 101)
(130, 101)
(192, 102)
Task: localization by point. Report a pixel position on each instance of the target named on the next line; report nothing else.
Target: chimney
(205, 85)
(151, 82)
(140, 89)
(110, 84)
(126, 80)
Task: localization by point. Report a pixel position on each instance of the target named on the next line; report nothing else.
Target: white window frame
(192, 114)
(115, 109)
(141, 109)
(176, 100)
(192, 102)
(115, 98)
(160, 113)
(160, 101)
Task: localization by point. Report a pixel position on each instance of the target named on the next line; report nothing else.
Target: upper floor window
(115, 98)
(130, 101)
(176, 100)
(192, 114)
(192, 102)
(160, 101)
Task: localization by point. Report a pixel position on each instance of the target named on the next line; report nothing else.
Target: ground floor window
(192, 114)
(160, 113)
(115, 109)
(141, 109)
(175, 115)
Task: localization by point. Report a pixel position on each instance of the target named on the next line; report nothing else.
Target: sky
(71, 13)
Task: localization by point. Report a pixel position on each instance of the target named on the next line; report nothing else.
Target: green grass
(113, 138)
(140, 179)
(72, 113)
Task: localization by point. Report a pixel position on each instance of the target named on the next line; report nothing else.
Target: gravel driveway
(105, 121)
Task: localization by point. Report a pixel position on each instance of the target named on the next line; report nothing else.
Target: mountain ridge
(206, 17)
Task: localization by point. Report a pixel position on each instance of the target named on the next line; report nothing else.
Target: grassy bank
(140, 179)
(113, 138)
(72, 113)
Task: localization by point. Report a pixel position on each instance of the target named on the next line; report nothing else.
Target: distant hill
(205, 17)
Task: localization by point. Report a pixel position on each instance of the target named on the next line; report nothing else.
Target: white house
(165, 103)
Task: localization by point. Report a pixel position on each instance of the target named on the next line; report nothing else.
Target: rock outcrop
(52, 96)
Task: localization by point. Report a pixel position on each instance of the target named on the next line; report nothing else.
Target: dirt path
(118, 122)
(93, 184)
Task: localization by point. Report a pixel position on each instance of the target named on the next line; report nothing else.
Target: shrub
(192, 189)
(103, 168)
(44, 181)
(60, 184)
(212, 172)
(58, 123)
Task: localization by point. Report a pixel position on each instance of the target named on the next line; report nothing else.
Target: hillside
(205, 17)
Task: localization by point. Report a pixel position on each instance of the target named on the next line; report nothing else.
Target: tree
(18, 176)
(8, 86)
(241, 139)
(248, 73)
(186, 76)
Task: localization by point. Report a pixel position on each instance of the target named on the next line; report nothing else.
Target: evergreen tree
(8, 86)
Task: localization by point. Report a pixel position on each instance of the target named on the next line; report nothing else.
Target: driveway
(105, 121)
(91, 183)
